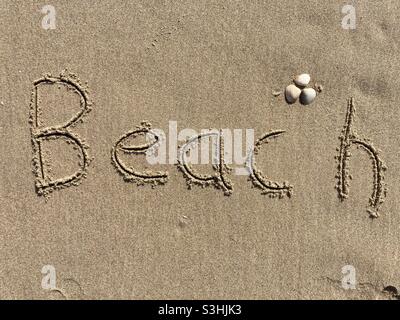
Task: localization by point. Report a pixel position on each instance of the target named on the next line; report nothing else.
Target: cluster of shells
(299, 90)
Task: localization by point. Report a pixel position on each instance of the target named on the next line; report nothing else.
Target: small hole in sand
(392, 291)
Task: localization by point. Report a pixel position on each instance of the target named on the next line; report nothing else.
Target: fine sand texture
(317, 218)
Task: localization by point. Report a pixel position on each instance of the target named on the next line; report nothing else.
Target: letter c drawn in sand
(271, 188)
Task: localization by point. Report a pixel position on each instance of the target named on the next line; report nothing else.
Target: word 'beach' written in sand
(219, 178)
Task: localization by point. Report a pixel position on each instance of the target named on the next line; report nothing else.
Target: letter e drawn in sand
(271, 188)
(45, 184)
(347, 139)
(219, 179)
(129, 173)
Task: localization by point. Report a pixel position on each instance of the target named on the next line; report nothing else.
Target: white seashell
(307, 96)
(302, 80)
(292, 93)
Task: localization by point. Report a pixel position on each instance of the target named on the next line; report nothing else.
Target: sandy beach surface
(201, 64)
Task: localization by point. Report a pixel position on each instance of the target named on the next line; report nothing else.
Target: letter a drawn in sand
(347, 139)
(219, 179)
(45, 184)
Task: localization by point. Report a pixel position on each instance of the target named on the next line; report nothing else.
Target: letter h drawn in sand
(347, 139)
(45, 184)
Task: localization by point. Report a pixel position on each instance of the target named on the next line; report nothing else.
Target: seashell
(302, 80)
(292, 93)
(319, 88)
(307, 96)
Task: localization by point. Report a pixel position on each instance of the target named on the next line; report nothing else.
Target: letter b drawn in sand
(45, 184)
(347, 139)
